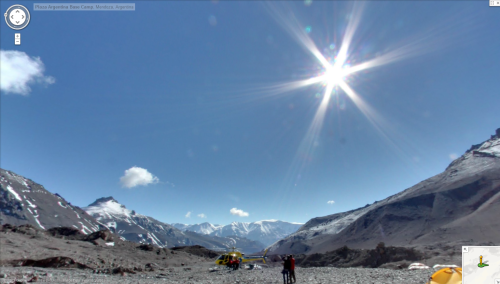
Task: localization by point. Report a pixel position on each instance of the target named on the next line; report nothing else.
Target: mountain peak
(489, 148)
(103, 200)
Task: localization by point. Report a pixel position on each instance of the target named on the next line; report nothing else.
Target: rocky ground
(65, 256)
(202, 273)
(99, 251)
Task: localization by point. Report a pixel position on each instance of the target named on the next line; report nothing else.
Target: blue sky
(181, 107)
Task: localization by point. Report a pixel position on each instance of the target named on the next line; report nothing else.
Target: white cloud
(238, 212)
(136, 176)
(19, 70)
(188, 215)
(453, 156)
(331, 202)
(202, 215)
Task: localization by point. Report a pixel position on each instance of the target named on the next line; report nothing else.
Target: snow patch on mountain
(38, 222)
(491, 147)
(30, 204)
(11, 190)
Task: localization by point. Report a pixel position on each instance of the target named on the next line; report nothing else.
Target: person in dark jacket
(286, 267)
(292, 269)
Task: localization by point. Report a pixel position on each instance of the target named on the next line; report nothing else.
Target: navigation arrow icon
(12, 17)
(17, 11)
(22, 17)
(17, 22)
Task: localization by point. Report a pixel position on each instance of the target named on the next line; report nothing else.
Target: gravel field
(202, 274)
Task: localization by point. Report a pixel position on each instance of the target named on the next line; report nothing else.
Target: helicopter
(226, 258)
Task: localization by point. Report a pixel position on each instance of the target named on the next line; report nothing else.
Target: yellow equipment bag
(449, 275)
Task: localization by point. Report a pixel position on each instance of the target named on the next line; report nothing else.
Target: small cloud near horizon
(330, 202)
(136, 176)
(19, 70)
(239, 212)
(202, 215)
(188, 215)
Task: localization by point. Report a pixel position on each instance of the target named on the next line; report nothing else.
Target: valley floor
(202, 274)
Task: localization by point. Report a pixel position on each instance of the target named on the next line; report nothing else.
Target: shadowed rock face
(459, 206)
(54, 262)
(344, 257)
(198, 250)
(66, 232)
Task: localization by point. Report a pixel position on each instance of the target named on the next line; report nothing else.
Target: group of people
(288, 269)
(234, 262)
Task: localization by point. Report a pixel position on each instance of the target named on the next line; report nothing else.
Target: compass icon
(17, 17)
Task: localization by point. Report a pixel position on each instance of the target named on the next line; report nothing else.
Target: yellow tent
(449, 275)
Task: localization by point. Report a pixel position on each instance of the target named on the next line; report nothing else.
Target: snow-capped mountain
(23, 201)
(131, 226)
(203, 228)
(266, 232)
(451, 207)
(144, 229)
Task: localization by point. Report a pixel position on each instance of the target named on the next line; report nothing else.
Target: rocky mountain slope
(23, 201)
(144, 229)
(266, 232)
(459, 206)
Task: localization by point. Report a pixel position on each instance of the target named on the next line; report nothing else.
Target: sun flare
(333, 75)
(341, 65)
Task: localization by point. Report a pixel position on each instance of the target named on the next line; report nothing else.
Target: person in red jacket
(230, 262)
(233, 263)
(236, 264)
(292, 268)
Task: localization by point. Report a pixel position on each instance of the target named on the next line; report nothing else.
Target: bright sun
(334, 75)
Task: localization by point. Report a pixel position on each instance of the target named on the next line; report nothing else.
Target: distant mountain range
(23, 201)
(266, 232)
(460, 206)
(143, 229)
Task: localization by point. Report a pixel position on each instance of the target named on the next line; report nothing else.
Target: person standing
(292, 269)
(286, 265)
(230, 262)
